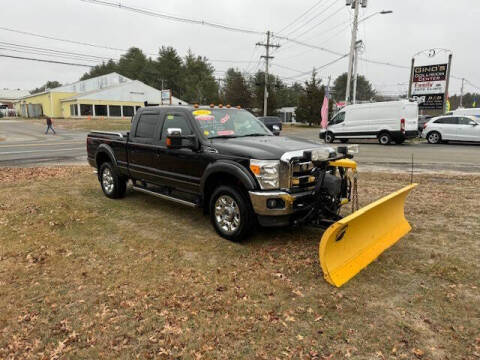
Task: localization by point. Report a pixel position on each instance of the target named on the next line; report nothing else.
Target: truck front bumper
(277, 208)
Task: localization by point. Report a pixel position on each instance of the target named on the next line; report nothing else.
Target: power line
(302, 15)
(174, 17)
(47, 61)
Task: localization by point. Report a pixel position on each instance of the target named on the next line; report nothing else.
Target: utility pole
(461, 93)
(358, 45)
(355, 4)
(267, 57)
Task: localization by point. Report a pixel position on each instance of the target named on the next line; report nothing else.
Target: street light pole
(355, 4)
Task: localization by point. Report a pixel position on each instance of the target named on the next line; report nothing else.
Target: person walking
(50, 125)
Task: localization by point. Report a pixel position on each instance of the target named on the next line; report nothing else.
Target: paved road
(445, 157)
(25, 144)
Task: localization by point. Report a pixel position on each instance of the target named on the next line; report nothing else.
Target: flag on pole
(448, 105)
(324, 111)
(474, 104)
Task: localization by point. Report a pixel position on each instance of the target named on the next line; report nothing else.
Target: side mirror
(473, 123)
(175, 139)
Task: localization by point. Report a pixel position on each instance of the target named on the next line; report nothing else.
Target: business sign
(167, 97)
(429, 84)
(430, 101)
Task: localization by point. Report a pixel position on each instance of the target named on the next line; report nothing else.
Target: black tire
(344, 141)
(240, 209)
(113, 185)
(329, 138)
(434, 137)
(384, 138)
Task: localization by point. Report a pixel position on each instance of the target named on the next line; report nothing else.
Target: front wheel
(230, 213)
(329, 137)
(113, 185)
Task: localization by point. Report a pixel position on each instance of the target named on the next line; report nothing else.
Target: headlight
(266, 172)
(276, 127)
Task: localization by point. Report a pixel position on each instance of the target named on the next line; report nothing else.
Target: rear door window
(146, 126)
(449, 121)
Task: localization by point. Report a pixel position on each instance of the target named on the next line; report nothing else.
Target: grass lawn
(83, 276)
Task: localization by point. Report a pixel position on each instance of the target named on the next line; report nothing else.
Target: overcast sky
(414, 25)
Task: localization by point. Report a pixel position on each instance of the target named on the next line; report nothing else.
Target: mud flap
(353, 242)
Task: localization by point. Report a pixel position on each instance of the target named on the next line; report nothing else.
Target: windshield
(216, 123)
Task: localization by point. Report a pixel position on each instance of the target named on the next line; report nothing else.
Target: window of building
(128, 111)
(115, 110)
(146, 126)
(86, 109)
(100, 110)
(73, 110)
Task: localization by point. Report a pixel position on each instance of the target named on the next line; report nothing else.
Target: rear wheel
(329, 138)
(384, 138)
(113, 185)
(230, 213)
(434, 137)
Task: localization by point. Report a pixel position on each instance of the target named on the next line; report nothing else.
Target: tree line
(192, 78)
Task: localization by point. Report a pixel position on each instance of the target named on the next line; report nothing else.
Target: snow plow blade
(353, 242)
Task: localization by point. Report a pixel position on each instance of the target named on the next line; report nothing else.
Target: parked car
(386, 121)
(225, 161)
(451, 127)
(422, 120)
(273, 123)
(463, 111)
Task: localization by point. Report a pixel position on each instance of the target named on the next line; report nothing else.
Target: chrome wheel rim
(328, 138)
(227, 214)
(107, 180)
(384, 139)
(434, 137)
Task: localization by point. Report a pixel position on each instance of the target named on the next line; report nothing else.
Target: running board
(165, 197)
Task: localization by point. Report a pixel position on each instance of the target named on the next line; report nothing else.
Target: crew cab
(224, 160)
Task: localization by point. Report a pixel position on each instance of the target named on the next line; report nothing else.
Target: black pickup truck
(225, 161)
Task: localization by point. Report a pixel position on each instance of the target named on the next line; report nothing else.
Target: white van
(386, 121)
(468, 112)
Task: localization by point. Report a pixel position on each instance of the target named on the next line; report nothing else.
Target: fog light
(275, 204)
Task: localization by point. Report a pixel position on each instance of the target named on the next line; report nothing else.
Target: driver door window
(175, 120)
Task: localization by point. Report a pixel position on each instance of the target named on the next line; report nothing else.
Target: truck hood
(263, 147)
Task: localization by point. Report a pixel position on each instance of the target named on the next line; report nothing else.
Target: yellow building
(110, 95)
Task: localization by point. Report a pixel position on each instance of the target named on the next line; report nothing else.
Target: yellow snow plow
(353, 242)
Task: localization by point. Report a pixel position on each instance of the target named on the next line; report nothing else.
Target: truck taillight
(402, 125)
(424, 125)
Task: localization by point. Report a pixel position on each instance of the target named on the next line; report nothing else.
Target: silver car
(451, 127)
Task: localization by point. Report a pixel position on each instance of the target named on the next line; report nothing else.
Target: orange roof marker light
(228, 106)
(212, 106)
(220, 106)
(195, 106)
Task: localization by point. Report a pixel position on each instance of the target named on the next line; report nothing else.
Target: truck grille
(302, 176)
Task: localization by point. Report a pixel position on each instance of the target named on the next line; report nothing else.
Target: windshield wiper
(223, 137)
(254, 134)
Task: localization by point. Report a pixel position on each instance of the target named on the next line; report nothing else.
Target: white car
(451, 127)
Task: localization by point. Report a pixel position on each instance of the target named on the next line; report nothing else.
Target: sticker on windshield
(225, 132)
(206, 133)
(170, 117)
(201, 112)
(205, 117)
(225, 119)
